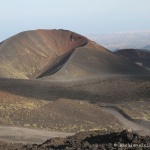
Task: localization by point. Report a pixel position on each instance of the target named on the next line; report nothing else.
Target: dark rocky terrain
(95, 140)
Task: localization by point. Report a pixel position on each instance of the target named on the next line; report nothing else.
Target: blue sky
(81, 16)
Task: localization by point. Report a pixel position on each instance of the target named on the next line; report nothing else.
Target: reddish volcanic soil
(34, 51)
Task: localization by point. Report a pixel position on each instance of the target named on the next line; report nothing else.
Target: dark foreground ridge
(94, 140)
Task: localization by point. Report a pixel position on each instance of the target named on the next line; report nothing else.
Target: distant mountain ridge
(147, 47)
(125, 40)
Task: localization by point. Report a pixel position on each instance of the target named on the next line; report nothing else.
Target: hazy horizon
(81, 16)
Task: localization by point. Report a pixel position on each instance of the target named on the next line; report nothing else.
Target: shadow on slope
(42, 90)
(108, 89)
(138, 56)
(92, 60)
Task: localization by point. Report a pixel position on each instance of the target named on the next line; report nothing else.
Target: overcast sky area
(81, 16)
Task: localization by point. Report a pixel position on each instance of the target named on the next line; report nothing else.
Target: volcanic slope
(93, 60)
(29, 54)
(59, 54)
(138, 56)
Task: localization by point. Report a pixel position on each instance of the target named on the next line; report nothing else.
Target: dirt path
(25, 135)
(126, 123)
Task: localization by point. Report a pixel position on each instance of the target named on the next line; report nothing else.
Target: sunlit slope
(93, 60)
(28, 54)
